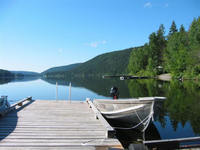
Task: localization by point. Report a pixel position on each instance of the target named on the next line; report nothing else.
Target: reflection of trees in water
(25, 78)
(5, 80)
(127, 137)
(18, 79)
(182, 104)
(97, 85)
(142, 88)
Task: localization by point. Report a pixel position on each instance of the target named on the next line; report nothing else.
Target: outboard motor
(4, 104)
(114, 92)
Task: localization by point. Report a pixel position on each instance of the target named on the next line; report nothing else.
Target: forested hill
(16, 74)
(25, 73)
(106, 64)
(177, 53)
(5, 73)
(61, 68)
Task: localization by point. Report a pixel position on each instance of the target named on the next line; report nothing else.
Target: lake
(176, 117)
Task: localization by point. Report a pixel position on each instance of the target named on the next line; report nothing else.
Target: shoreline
(168, 77)
(164, 77)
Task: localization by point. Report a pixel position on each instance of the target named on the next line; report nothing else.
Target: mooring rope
(145, 122)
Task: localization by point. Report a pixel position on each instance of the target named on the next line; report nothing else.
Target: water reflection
(183, 104)
(19, 79)
(148, 87)
(176, 117)
(25, 79)
(5, 80)
(97, 85)
(128, 137)
(179, 112)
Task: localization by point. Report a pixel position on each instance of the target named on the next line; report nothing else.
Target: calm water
(176, 117)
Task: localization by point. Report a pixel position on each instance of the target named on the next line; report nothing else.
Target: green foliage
(194, 32)
(178, 55)
(194, 43)
(196, 69)
(157, 46)
(61, 68)
(113, 63)
(172, 29)
(5, 74)
(145, 60)
(138, 60)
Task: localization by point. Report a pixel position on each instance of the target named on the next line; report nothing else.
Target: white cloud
(94, 44)
(97, 43)
(148, 5)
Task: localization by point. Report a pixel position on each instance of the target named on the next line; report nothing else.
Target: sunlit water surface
(176, 117)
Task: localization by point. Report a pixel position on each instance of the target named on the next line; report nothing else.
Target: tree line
(177, 53)
(112, 63)
(5, 73)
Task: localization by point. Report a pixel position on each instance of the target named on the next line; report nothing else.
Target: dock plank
(48, 124)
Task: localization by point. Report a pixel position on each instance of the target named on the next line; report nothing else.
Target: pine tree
(182, 29)
(161, 43)
(194, 45)
(157, 44)
(172, 29)
(194, 32)
(183, 36)
(180, 52)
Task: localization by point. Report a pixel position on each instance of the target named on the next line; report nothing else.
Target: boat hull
(127, 114)
(129, 119)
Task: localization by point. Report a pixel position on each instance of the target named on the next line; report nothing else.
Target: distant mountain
(61, 68)
(25, 73)
(5, 73)
(111, 63)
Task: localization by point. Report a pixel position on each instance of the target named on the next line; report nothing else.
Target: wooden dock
(59, 125)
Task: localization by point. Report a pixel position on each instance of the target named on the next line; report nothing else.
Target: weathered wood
(61, 148)
(87, 143)
(54, 124)
(41, 132)
(110, 130)
(54, 136)
(49, 123)
(30, 129)
(13, 106)
(20, 103)
(50, 148)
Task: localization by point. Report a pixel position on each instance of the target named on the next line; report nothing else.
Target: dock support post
(70, 91)
(56, 90)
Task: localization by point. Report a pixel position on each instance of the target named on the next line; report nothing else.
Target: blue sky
(38, 34)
